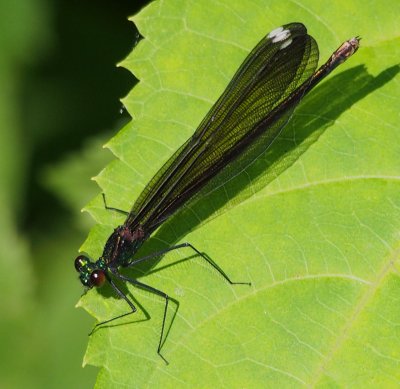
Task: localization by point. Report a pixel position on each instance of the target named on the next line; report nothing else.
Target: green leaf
(317, 235)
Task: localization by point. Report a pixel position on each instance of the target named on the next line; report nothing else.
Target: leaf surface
(317, 234)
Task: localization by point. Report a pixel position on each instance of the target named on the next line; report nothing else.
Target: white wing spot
(275, 32)
(279, 34)
(286, 44)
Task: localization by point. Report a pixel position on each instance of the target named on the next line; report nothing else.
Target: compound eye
(80, 262)
(97, 278)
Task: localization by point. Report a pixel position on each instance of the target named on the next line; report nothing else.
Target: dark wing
(242, 123)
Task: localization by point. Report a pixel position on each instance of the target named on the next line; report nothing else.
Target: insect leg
(202, 255)
(111, 208)
(152, 290)
(121, 295)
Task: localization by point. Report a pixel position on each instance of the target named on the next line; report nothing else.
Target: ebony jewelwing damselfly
(243, 122)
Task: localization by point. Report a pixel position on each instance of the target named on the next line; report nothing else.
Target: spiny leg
(121, 295)
(152, 290)
(111, 208)
(202, 255)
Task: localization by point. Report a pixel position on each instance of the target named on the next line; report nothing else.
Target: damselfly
(247, 118)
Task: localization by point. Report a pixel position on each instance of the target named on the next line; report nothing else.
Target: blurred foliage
(59, 102)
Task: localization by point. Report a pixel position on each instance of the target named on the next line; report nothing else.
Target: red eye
(80, 262)
(97, 278)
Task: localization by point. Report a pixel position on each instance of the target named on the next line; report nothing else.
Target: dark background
(59, 104)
